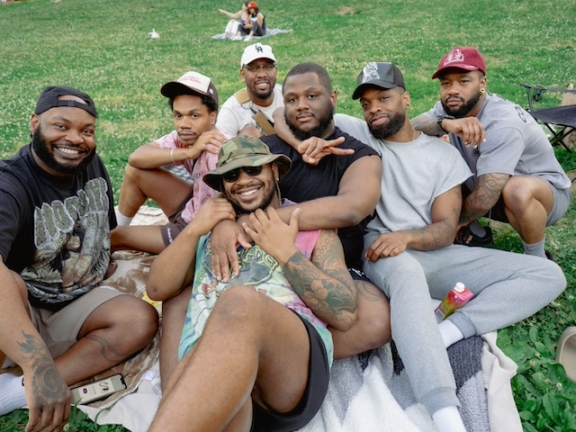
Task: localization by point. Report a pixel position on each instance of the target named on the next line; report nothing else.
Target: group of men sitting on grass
(304, 237)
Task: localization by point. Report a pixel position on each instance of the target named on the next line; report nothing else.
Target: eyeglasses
(256, 68)
(232, 176)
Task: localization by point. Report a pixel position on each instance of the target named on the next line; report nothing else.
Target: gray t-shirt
(515, 144)
(414, 174)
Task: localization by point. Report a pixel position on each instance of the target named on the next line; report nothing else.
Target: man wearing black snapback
(56, 322)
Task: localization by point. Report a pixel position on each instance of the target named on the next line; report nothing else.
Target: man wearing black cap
(517, 178)
(193, 144)
(56, 322)
(255, 351)
(409, 252)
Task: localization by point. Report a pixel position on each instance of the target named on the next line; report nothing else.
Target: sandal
(566, 352)
(466, 237)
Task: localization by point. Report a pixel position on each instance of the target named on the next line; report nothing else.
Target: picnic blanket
(367, 392)
(269, 32)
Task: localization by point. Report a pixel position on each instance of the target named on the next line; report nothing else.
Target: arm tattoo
(427, 125)
(107, 351)
(441, 233)
(47, 384)
(321, 288)
(434, 236)
(484, 196)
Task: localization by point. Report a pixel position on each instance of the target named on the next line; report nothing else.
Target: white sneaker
(237, 37)
(247, 38)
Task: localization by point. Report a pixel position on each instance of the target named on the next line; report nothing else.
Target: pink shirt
(196, 168)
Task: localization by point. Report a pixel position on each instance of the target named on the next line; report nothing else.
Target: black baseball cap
(384, 75)
(50, 98)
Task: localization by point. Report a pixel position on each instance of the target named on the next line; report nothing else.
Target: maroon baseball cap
(466, 58)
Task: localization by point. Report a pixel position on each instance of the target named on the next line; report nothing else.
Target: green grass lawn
(103, 48)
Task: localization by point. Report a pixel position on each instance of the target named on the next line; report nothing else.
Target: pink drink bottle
(456, 298)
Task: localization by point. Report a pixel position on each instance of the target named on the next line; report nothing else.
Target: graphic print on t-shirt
(72, 240)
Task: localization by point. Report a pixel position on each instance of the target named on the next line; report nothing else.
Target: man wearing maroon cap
(517, 178)
(57, 322)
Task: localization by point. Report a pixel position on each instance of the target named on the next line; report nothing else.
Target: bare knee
(145, 325)
(239, 304)
(517, 195)
(132, 323)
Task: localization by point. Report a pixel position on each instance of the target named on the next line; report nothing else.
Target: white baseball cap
(255, 52)
(190, 81)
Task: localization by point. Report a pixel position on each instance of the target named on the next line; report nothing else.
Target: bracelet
(172, 155)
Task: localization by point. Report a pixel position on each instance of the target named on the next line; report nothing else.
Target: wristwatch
(441, 118)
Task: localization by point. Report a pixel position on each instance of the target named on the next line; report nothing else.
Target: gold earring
(482, 91)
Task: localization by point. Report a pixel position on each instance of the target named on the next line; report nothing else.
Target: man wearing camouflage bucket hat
(264, 331)
(243, 152)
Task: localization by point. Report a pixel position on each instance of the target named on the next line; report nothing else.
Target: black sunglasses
(232, 176)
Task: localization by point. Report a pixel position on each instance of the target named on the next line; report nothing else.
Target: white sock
(121, 219)
(12, 394)
(448, 419)
(536, 249)
(450, 333)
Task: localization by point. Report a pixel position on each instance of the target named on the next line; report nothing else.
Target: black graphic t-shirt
(55, 231)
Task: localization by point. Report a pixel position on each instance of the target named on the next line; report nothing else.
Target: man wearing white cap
(250, 110)
(193, 144)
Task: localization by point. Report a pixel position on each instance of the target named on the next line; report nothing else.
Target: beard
(40, 147)
(464, 109)
(265, 203)
(263, 95)
(386, 130)
(324, 118)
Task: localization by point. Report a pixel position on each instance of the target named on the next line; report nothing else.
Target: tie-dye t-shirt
(257, 269)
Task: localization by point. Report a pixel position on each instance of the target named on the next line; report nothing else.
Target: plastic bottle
(456, 298)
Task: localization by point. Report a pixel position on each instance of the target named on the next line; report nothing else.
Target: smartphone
(97, 390)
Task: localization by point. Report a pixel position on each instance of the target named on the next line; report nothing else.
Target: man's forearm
(485, 195)
(173, 268)
(432, 237)
(427, 125)
(331, 300)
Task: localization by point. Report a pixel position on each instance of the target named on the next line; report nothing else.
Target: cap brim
(174, 88)
(214, 177)
(384, 85)
(455, 66)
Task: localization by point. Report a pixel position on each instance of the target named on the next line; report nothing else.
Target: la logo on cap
(259, 48)
(455, 55)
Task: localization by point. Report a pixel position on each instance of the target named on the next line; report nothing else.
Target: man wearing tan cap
(250, 110)
(193, 144)
(255, 351)
(517, 178)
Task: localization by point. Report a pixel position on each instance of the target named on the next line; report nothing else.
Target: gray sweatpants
(507, 287)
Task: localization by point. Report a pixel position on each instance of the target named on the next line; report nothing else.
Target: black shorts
(358, 275)
(175, 223)
(316, 389)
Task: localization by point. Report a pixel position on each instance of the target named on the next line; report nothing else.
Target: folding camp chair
(560, 120)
